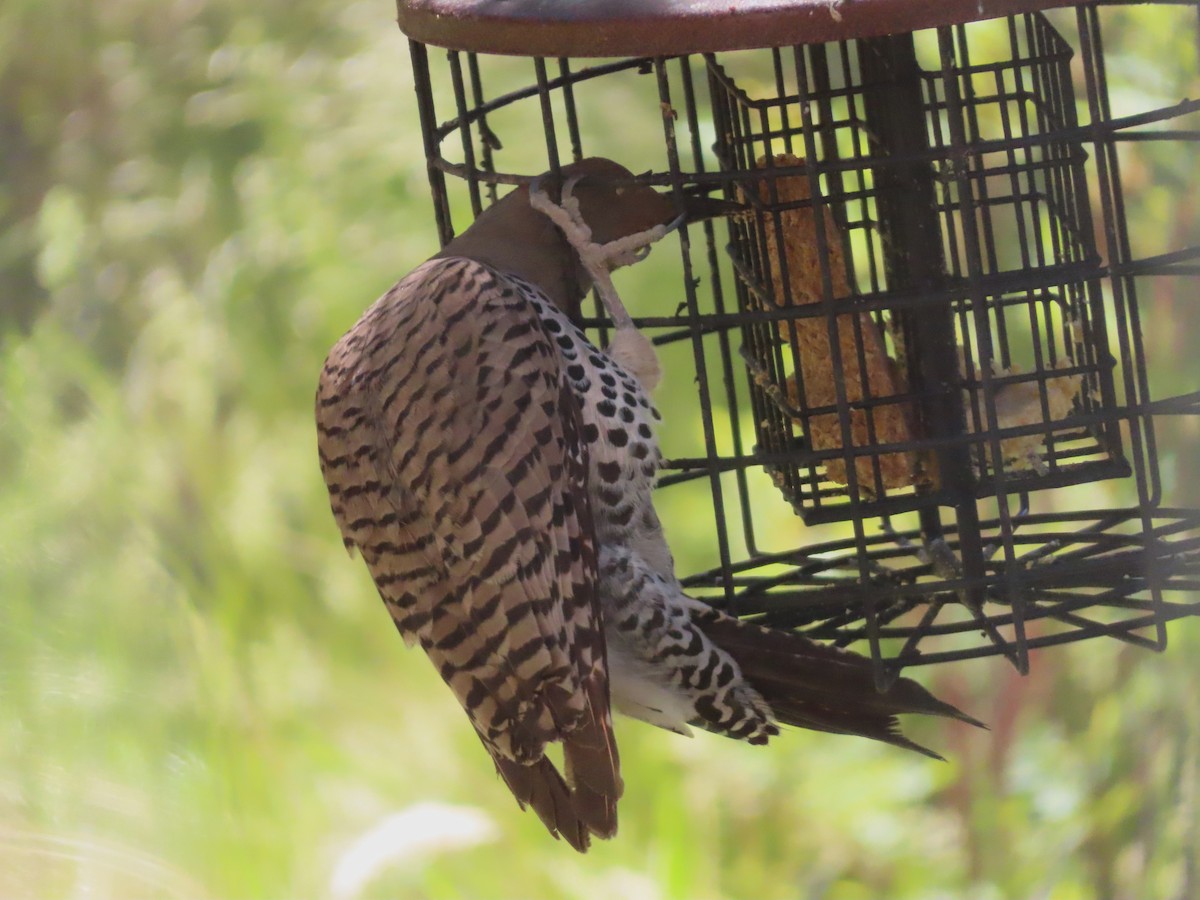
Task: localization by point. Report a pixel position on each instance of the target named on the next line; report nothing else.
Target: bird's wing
(449, 442)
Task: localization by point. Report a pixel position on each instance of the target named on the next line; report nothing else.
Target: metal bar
(549, 129)
(1141, 439)
(568, 95)
(731, 381)
(703, 383)
(488, 141)
(961, 110)
(913, 255)
(428, 117)
(532, 91)
(464, 130)
(833, 308)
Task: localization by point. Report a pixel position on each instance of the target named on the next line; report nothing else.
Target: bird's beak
(698, 207)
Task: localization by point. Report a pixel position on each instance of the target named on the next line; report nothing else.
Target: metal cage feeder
(923, 337)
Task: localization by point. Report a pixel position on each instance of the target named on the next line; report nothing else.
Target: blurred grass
(200, 696)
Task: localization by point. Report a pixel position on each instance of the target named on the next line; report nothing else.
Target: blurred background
(200, 696)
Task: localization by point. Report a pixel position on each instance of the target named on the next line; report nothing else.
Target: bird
(494, 468)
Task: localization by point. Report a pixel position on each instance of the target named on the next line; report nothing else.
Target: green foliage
(201, 696)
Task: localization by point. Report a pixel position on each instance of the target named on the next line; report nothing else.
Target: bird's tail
(823, 688)
(585, 802)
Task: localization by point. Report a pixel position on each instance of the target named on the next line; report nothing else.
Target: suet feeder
(924, 335)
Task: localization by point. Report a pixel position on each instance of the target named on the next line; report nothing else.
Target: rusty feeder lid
(610, 28)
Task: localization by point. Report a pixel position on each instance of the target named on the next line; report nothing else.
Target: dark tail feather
(823, 688)
(541, 787)
(592, 765)
(585, 803)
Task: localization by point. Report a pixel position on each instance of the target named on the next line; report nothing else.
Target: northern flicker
(494, 468)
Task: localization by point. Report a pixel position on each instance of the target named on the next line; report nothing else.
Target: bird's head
(611, 203)
(514, 237)
(614, 205)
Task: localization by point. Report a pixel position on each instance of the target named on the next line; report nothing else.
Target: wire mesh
(1007, 256)
(973, 287)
